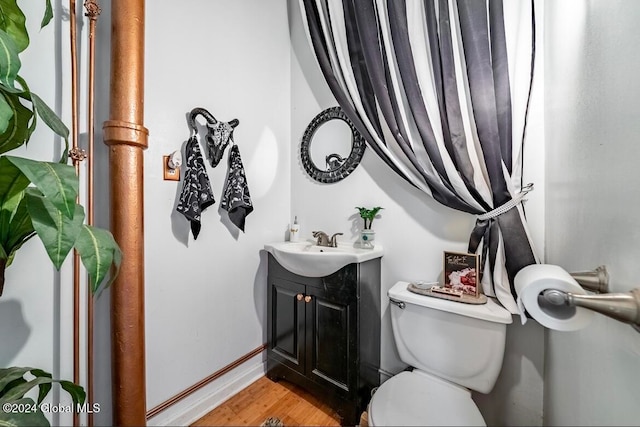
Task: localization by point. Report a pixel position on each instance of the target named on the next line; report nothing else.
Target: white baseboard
(195, 406)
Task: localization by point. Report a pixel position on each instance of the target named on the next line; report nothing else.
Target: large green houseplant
(38, 198)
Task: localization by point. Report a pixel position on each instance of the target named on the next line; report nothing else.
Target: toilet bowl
(418, 399)
(453, 348)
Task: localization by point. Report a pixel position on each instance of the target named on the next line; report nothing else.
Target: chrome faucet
(334, 243)
(324, 240)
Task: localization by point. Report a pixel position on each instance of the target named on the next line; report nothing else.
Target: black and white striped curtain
(440, 90)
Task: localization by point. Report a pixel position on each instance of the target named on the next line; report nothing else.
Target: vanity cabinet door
(331, 351)
(324, 334)
(286, 319)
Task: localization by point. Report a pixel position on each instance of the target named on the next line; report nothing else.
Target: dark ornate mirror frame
(343, 167)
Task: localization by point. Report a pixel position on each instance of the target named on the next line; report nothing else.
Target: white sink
(310, 260)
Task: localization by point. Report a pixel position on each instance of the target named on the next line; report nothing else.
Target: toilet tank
(461, 343)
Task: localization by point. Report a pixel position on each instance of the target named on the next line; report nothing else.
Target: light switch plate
(169, 173)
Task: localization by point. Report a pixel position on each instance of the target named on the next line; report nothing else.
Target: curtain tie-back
(509, 205)
(486, 229)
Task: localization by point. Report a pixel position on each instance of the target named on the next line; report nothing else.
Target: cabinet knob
(307, 298)
(299, 297)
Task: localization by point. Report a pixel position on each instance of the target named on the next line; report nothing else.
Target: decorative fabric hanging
(196, 193)
(236, 199)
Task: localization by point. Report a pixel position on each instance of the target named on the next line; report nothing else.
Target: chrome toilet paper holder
(593, 280)
(624, 306)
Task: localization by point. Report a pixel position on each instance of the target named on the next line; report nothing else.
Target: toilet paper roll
(534, 279)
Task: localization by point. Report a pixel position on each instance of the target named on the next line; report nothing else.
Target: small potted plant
(367, 235)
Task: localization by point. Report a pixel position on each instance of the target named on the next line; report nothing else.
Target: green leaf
(7, 375)
(57, 182)
(14, 383)
(48, 14)
(49, 117)
(98, 251)
(16, 419)
(30, 118)
(21, 389)
(12, 21)
(20, 126)
(9, 60)
(368, 215)
(44, 388)
(6, 114)
(57, 232)
(16, 247)
(12, 184)
(13, 386)
(76, 392)
(19, 230)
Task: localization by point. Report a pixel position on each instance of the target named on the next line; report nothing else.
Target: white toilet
(454, 348)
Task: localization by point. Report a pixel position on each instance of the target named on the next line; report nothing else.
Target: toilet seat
(419, 399)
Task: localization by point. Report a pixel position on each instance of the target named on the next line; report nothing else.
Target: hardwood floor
(265, 398)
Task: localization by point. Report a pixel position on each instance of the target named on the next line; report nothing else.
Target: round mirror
(337, 146)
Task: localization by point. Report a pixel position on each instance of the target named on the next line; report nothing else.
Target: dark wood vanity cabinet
(324, 333)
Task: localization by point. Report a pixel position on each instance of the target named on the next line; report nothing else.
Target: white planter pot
(367, 239)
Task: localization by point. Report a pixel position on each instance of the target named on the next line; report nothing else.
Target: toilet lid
(491, 311)
(418, 399)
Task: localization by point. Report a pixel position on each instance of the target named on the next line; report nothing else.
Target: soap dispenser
(294, 231)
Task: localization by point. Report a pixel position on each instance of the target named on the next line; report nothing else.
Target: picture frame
(462, 272)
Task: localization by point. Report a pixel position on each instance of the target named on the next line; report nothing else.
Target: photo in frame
(462, 273)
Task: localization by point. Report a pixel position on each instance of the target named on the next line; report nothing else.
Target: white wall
(593, 201)
(206, 298)
(414, 230)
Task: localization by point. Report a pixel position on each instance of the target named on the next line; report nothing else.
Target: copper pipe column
(77, 156)
(92, 12)
(126, 137)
